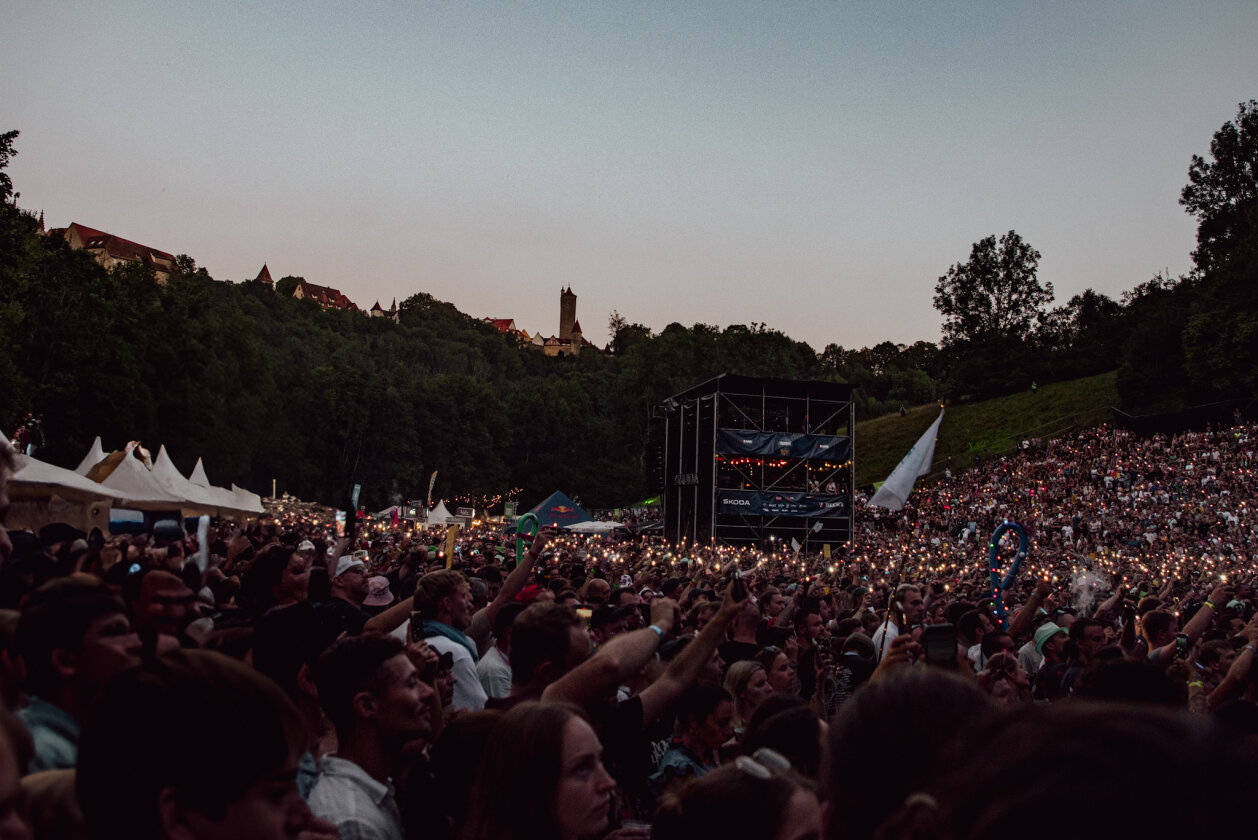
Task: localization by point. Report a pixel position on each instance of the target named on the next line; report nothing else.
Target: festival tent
(439, 515)
(559, 509)
(595, 526)
(131, 480)
(94, 456)
(40, 493)
(226, 499)
(247, 501)
(168, 475)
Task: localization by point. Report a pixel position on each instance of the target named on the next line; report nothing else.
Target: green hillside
(988, 428)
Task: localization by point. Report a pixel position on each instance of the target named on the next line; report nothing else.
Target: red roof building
(325, 296)
(110, 250)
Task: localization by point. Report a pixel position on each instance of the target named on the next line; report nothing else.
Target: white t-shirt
(495, 673)
(468, 693)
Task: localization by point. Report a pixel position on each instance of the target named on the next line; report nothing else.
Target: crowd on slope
(279, 681)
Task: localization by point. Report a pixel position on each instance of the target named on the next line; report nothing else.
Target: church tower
(567, 313)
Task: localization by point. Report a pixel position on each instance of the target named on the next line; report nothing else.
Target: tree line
(266, 386)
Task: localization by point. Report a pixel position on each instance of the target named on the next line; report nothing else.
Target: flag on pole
(895, 490)
(432, 480)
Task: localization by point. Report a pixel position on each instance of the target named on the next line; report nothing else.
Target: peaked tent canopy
(138, 487)
(439, 515)
(225, 498)
(94, 456)
(559, 509)
(168, 475)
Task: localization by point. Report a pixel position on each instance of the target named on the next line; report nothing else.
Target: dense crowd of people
(279, 680)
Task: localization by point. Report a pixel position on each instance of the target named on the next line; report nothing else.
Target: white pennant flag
(895, 490)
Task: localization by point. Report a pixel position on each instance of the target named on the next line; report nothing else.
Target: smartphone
(740, 588)
(939, 645)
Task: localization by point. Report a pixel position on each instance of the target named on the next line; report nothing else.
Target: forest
(265, 386)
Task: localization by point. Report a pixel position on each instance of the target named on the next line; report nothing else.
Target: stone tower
(567, 313)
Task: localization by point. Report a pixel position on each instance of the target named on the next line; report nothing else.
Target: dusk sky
(815, 166)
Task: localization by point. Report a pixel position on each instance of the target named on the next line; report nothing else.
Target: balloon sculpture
(525, 521)
(1001, 585)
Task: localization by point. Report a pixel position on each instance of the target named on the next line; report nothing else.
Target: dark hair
(351, 665)
(698, 701)
(456, 757)
(1133, 748)
(793, 732)
(56, 618)
(201, 723)
(970, 622)
(264, 576)
(922, 714)
(514, 791)
(286, 639)
(1156, 623)
(506, 617)
(801, 617)
(541, 634)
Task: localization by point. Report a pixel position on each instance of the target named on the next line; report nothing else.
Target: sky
(814, 166)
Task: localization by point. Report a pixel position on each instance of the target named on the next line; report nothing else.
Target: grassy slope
(987, 428)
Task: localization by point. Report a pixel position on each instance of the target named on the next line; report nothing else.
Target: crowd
(280, 681)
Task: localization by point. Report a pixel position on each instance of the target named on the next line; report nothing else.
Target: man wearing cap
(1050, 643)
(349, 590)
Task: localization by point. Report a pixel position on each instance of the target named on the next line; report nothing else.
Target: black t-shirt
(342, 614)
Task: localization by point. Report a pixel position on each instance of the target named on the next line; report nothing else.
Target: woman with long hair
(747, 682)
(542, 778)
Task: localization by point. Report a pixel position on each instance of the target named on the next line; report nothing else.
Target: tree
(6, 152)
(1223, 193)
(624, 334)
(993, 295)
(287, 284)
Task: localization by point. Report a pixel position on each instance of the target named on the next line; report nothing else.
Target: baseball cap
(347, 562)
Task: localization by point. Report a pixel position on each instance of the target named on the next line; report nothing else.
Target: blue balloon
(1001, 585)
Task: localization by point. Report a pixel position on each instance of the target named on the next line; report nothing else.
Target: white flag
(895, 490)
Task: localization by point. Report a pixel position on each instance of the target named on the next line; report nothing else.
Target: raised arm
(483, 620)
(685, 669)
(615, 662)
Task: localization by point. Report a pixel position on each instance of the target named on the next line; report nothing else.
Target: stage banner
(754, 503)
(742, 442)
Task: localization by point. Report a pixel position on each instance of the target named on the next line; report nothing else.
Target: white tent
(94, 456)
(199, 499)
(595, 526)
(246, 501)
(226, 499)
(32, 473)
(139, 488)
(40, 493)
(439, 515)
